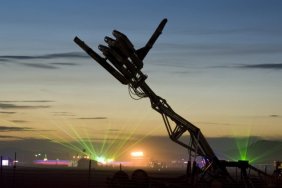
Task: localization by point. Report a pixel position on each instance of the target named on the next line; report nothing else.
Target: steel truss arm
(181, 125)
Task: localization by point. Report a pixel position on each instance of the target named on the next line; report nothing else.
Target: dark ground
(29, 177)
(24, 177)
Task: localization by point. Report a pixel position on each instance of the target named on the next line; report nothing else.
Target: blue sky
(51, 20)
(218, 64)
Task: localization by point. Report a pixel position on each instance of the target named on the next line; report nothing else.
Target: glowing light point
(101, 160)
(137, 154)
(5, 162)
(45, 158)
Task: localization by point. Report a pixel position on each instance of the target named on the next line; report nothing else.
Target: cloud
(9, 137)
(65, 64)
(4, 60)
(19, 121)
(45, 56)
(20, 59)
(17, 129)
(218, 49)
(5, 112)
(274, 116)
(276, 66)
(214, 123)
(100, 139)
(62, 114)
(29, 101)
(231, 31)
(9, 104)
(13, 106)
(47, 66)
(95, 118)
(43, 66)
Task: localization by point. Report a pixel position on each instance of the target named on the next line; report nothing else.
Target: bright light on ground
(103, 160)
(5, 162)
(137, 154)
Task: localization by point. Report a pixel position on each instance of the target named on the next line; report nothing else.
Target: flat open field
(53, 177)
(28, 177)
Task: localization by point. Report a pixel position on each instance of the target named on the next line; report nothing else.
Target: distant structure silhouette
(83, 163)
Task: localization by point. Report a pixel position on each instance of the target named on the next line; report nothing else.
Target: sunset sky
(217, 63)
